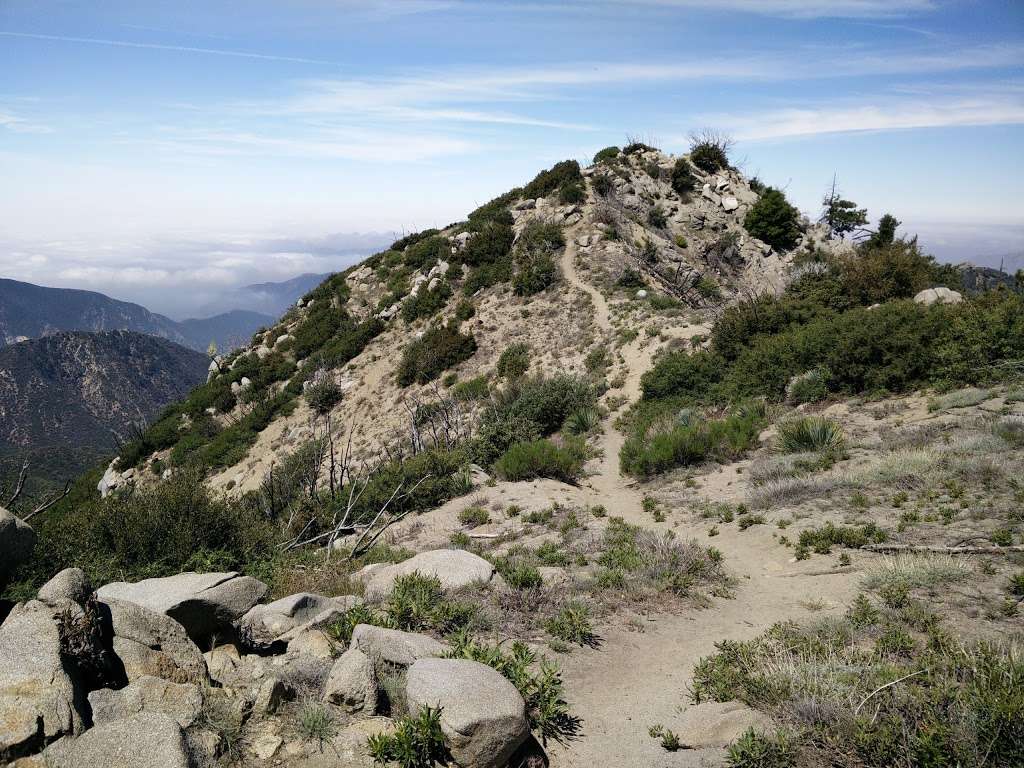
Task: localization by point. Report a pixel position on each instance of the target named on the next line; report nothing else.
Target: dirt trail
(607, 486)
(636, 679)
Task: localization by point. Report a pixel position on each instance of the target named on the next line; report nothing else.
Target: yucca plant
(582, 421)
(811, 433)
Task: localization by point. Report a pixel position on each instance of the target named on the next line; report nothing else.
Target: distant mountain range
(80, 393)
(30, 311)
(268, 298)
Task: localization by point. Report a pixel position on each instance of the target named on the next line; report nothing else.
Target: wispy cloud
(21, 125)
(1005, 108)
(163, 47)
(802, 9)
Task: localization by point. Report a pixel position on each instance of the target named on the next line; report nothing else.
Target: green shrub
(636, 147)
(808, 387)
(402, 243)
(474, 516)
(315, 722)
(810, 433)
(426, 302)
(485, 276)
(427, 251)
(572, 193)
(822, 539)
(773, 220)
(683, 180)
(709, 151)
(708, 287)
(573, 625)
(582, 421)
(608, 153)
(491, 244)
(757, 750)
(547, 402)
(536, 268)
(464, 310)
(645, 454)
(546, 182)
(602, 184)
(656, 217)
(440, 348)
(323, 396)
(535, 274)
(540, 458)
(471, 389)
(514, 361)
(499, 430)
(416, 742)
(521, 576)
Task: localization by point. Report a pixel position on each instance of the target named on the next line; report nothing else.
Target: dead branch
(993, 550)
(49, 502)
(19, 486)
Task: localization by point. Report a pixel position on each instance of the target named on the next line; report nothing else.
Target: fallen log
(992, 550)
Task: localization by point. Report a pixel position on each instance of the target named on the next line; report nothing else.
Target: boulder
(940, 295)
(182, 701)
(716, 724)
(313, 642)
(203, 603)
(283, 620)
(395, 646)
(483, 715)
(150, 643)
(17, 539)
(641, 294)
(70, 584)
(38, 700)
(730, 203)
(271, 694)
(352, 683)
(454, 567)
(145, 740)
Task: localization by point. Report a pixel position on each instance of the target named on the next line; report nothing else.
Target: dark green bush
(426, 303)
(514, 361)
(656, 217)
(636, 147)
(440, 348)
(464, 310)
(534, 274)
(496, 209)
(472, 389)
(490, 245)
(427, 251)
(546, 182)
(602, 184)
(710, 152)
(773, 220)
(536, 268)
(572, 193)
(608, 153)
(323, 396)
(402, 243)
(541, 458)
(487, 275)
(683, 180)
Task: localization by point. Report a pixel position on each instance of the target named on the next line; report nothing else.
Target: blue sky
(159, 151)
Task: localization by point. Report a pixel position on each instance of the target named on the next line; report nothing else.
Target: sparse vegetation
(426, 358)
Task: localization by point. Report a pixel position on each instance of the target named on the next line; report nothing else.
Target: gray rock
(312, 642)
(150, 643)
(182, 701)
(352, 683)
(203, 603)
(641, 294)
(716, 724)
(730, 203)
(17, 539)
(70, 584)
(272, 693)
(483, 716)
(38, 700)
(454, 567)
(145, 740)
(395, 646)
(940, 295)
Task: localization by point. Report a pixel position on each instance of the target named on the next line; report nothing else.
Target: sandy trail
(636, 679)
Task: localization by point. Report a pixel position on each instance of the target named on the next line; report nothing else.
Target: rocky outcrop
(203, 603)
(182, 701)
(71, 584)
(352, 683)
(145, 740)
(483, 715)
(940, 295)
(285, 619)
(395, 646)
(17, 539)
(455, 568)
(150, 643)
(38, 699)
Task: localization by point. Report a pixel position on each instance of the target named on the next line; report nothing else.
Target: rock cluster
(139, 692)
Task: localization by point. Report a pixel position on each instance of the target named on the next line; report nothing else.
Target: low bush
(323, 396)
(602, 184)
(473, 389)
(709, 151)
(608, 153)
(491, 244)
(656, 217)
(427, 251)
(514, 362)
(417, 741)
(541, 458)
(811, 433)
(440, 348)
(652, 450)
(534, 256)
(773, 220)
(683, 181)
(546, 182)
(426, 302)
(573, 625)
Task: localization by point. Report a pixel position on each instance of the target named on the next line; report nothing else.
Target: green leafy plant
(416, 742)
(773, 220)
(811, 433)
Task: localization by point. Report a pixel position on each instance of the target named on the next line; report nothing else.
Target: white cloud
(21, 125)
(887, 115)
